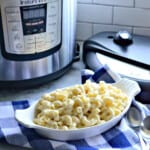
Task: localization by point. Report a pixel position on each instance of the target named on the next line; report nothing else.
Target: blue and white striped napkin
(120, 137)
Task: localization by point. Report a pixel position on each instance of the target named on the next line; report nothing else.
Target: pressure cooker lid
(134, 50)
(127, 54)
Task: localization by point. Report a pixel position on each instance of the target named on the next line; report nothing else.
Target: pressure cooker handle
(76, 56)
(91, 61)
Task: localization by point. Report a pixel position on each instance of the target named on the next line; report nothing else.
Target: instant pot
(37, 40)
(125, 53)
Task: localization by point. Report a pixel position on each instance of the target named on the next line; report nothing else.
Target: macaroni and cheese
(80, 106)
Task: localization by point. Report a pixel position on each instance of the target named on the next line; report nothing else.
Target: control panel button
(52, 29)
(30, 48)
(16, 47)
(19, 46)
(16, 42)
(12, 10)
(40, 37)
(48, 45)
(51, 34)
(40, 47)
(17, 37)
(29, 39)
(13, 18)
(52, 17)
(14, 27)
(52, 24)
(52, 8)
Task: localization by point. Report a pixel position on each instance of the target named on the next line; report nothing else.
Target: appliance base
(30, 83)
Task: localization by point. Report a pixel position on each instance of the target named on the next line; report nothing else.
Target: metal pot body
(26, 64)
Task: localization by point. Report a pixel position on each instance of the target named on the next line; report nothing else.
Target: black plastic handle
(91, 61)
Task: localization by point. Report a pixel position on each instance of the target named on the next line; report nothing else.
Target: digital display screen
(35, 13)
(34, 19)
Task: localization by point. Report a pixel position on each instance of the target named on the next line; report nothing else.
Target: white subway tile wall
(112, 15)
(101, 28)
(93, 13)
(142, 3)
(84, 30)
(129, 3)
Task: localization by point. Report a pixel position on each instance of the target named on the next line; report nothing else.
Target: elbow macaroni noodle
(80, 106)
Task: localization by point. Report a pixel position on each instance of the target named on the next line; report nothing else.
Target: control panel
(31, 28)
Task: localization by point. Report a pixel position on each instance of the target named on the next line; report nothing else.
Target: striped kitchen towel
(120, 137)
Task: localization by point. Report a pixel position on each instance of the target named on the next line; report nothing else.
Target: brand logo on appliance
(27, 2)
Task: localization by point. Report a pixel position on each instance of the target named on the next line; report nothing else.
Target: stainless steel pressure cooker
(37, 40)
